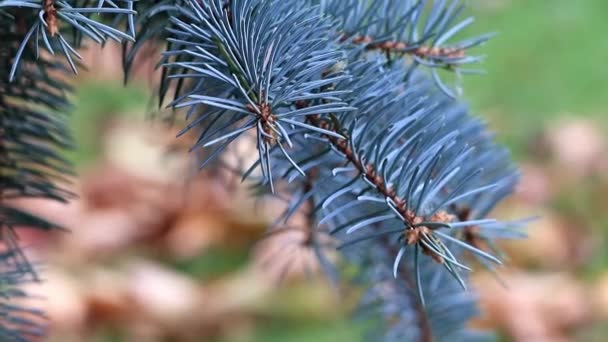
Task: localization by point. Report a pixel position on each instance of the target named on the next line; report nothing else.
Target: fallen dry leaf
(534, 307)
(577, 145)
(161, 294)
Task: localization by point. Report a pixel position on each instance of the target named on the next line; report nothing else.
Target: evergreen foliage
(351, 117)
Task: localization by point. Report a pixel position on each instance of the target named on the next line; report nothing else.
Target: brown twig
(470, 234)
(425, 52)
(310, 221)
(370, 173)
(50, 17)
(413, 232)
(268, 121)
(367, 170)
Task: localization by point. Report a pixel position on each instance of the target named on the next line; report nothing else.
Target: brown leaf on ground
(106, 297)
(535, 187)
(61, 297)
(534, 307)
(600, 297)
(577, 145)
(105, 62)
(287, 255)
(161, 294)
(100, 233)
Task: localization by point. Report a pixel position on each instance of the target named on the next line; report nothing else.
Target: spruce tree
(349, 110)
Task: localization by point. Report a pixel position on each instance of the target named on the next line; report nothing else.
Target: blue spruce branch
(349, 115)
(411, 156)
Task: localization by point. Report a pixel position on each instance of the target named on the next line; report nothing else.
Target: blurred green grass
(548, 59)
(95, 105)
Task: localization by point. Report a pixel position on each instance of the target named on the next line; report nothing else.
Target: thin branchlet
(405, 48)
(367, 170)
(311, 222)
(470, 234)
(50, 17)
(268, 121)
(413, 231)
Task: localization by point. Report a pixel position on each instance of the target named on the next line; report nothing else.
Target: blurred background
(159, 252)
